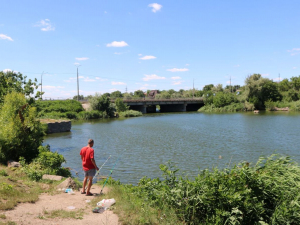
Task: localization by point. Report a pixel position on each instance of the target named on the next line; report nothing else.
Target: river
(192, 141)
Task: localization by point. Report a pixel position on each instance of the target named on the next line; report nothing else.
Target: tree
(284, 85)
(20, 133)
(295, 83)
(15, 82)
(222, 99)
(120, 105)
(258, 90)
(80, 97)
(217, 88)
(139, 94)
(116, 94)
(101, 103)
(207, 87)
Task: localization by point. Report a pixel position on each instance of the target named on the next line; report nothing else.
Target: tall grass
(265, 193)
(130, 113)
(233, 107)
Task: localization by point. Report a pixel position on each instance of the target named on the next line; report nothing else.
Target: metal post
(77, 86)
(77, 65)
(42, 85)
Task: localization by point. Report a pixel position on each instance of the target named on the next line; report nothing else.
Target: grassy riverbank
(267, 192)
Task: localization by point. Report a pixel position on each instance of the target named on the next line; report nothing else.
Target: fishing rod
(110, 173)
(100, 169)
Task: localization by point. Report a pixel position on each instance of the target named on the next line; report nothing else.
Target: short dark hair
(91, 141)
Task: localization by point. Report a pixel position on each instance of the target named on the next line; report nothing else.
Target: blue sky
(138, 44)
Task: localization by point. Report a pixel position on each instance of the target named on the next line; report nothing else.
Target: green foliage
(3, 173)
(139, 94)
(222, 99)
(130, 113)
(295, 83)
(120, 105)
(208, 98)
(116, 94)
(208, 87)
(233, 107)
(80, 97)
(270, 105)
(46, 162)
(266, 193)
(102, 104)
(86, 115)
(61, 106)
(20, 132)
(15, 82)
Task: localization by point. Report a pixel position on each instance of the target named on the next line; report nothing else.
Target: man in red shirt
(89, 166)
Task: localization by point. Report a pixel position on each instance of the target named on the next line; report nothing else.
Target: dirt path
(36, 213)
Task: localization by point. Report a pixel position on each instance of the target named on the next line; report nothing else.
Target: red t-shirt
(87, 153)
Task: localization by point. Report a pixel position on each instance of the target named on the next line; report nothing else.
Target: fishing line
(110, 173)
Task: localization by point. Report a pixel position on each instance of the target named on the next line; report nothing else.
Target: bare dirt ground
(34, 213)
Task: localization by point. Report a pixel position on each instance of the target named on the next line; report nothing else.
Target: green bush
(86, 115)
(233, 107)
(46, 162)
(130, 113)
(61, 106)
(266, 193)
(20, 133)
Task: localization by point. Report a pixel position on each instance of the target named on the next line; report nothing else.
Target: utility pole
(77, 84)
(42, 85)
(126, 90)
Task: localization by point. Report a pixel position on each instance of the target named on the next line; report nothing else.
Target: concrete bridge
(166, 105)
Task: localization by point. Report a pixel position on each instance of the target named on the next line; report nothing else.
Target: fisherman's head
(91, 142)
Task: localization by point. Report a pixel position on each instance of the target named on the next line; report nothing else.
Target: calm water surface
(192, 141)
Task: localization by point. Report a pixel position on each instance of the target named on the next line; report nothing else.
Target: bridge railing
(129, 99)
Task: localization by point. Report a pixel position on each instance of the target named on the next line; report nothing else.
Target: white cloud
(176, 78)
(80, 77)
(105, 12)
(48, 87)
(294, 67)
(187, 64)
(178, 70)
(97, 45)
(147, 57)
(82, 58)
(87, 79)
(5, 37)
(176, 82)
(7, 70)
(117, 44)
(140, 54)
(76, 64)
(45, 25)
(118, 83)
(294, 51)
(265, 75)
(152, 77)
(100, 79)
(118, 53)
(236, 65)
(155, 7)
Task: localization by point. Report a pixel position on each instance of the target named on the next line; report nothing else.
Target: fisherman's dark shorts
(90, 173)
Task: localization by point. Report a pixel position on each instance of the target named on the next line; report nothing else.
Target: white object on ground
(87, 200)
(106, 203)
(70, 207)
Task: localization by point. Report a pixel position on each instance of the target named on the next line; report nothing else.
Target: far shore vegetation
(266, 192)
